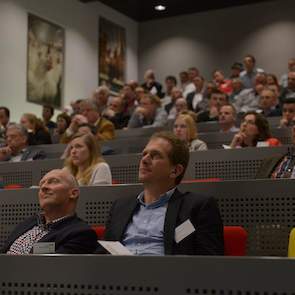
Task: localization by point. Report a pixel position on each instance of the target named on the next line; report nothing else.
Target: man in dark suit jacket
(17, 148)
(162, 220)
(56, 229)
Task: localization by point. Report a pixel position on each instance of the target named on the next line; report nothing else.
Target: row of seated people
(247, 89)
(159, 221)
(83, 157)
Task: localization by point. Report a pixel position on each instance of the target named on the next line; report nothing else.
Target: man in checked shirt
(56, 229)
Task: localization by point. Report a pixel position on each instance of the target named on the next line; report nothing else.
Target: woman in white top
(85, 162)
(185, 128)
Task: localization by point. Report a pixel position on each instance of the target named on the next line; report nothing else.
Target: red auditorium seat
(235, 240)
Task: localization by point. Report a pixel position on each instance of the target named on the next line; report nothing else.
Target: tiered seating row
(265, 208)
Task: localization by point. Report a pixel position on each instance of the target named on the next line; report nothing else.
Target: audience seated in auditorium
(101, 97)
(216, 101)
(288, 118)
(254, 131)
(47, 114)
(38, 133)
(237, 86)
(280, 165)
(17, 148)
(248, 99)
(248, 75)
(75, 107)
(165, 208)
(190, 86)
(130, 99)
(284, 77)
(170, 83)
(289, 91)
(195, 100)
(269, 103)
(236, 69)
(222, 84)
(139, 94)
(170, 108)
(227, 119)
(185, 129)
(271, 79)
(105, 130)
(56, 229)
(4, 121)
(149, 113)
(184, 81)
(116, 114)
(180, 106)
(151, 85)
(85, 163)
(63, 122)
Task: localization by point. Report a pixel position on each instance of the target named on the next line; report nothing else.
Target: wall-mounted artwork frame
(45, 62)
(112, 55)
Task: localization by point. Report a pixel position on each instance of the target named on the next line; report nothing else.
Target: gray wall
(80, 22)
(216, 39)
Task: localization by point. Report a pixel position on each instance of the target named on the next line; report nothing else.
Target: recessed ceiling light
(160, 7)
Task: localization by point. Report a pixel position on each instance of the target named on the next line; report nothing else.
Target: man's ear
(176, 171)
(75, 193)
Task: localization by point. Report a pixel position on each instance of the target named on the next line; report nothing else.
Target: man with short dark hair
(17, 148)
(227, 118)
(150, 224)
(288, 118)
(56, 229)
(216, 101)
(248, 75)
(268, 103)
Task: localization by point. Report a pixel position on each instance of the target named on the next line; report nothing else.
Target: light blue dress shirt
(145, 232)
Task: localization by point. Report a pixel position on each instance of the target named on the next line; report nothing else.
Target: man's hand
(5, 152)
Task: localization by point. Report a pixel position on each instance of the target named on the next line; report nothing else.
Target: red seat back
(235, 241)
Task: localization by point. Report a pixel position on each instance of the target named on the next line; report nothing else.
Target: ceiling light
(160, 7)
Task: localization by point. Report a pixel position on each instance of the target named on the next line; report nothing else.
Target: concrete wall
(80, 22)
(216, 39)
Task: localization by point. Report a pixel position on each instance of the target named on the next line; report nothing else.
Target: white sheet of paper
(262, 144)
(115, 248)
(184, 230)
(44, 248)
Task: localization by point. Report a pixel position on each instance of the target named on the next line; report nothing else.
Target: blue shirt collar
(164, 199)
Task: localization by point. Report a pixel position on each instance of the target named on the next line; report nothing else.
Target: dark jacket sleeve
(209, 229)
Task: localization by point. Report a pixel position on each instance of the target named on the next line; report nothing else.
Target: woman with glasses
(254, 131)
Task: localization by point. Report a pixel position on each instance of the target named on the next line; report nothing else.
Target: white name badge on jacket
(184, 230)
(44, 248)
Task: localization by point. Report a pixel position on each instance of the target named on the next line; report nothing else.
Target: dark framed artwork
(112, 55)
(45, 62)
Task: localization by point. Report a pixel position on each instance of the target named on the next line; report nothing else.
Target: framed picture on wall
(45, 62)
(112, 54)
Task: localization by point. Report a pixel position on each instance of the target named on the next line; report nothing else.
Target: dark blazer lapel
(170, 221)
(123, 217)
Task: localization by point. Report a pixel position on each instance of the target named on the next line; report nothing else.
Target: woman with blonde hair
(38, 133)
(85, 162)
(185, 128)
